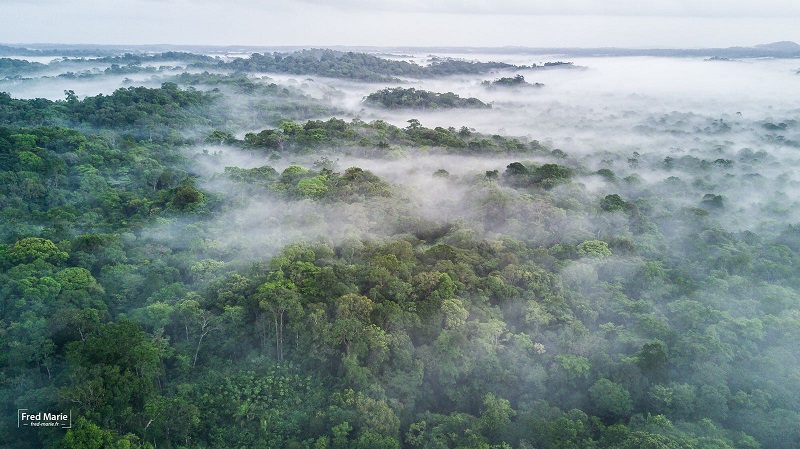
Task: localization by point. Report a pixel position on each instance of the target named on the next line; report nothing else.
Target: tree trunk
(280, 337)
(197, 351)
(277, 339)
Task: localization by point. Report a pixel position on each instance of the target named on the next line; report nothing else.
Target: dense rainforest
(356, 66)
(223, 261)
(398, 97)
(509, 82)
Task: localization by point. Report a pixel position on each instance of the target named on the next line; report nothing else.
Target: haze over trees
(216, 260)
(356, 66)
(509, 82)
(399, 97)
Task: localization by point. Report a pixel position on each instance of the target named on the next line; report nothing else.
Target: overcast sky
(544, 23)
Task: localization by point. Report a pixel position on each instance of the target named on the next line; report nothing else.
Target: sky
(543, 23)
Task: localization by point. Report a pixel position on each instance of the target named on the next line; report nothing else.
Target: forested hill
(357, 66)
(398, 97)
(320, 62)
(12, 67)
(138, 110)
(158, 113)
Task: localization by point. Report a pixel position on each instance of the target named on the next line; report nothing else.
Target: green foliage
(142, 108)
(14, 67)
(612, 203)
(312, 187)
(509, 82)
(610, 400)
(112, 375)
(574, 366)
(146, 113)
(546, 175)
(653, 360)
(87, 435)
(356, 66)
(271, 407)
(135, 291)
(376, 139)
(399, 97)
(32, 249)
(186, 197)
(594, 248)
(221, 137)
(606, 174)
(495, 418)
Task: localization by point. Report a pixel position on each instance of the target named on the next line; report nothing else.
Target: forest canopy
(221, 259)
(399, 97)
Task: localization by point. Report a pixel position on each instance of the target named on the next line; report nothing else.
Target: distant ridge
(780, 46)
(780, 49)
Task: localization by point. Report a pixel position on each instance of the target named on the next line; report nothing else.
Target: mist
(626, 230)
(626, 115)
(656, 107)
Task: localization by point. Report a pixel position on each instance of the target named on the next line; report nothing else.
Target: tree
(454, 313)
(574, 366)
(30, 249)
(277, 296)
(610, 400)
(79, 288)
(201, 321)
(611, 203)
(594, 248)
(351, 316)
(112, 375)
(185, 196)
(571, 431)
(313, 188)
(495, 417)
(84, 434)
(516, 169)
(221, 137)
(653, 361)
